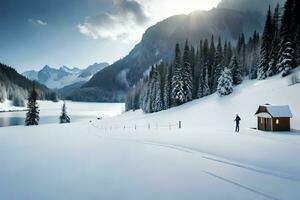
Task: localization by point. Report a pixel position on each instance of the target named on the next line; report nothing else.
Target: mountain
(258, 6)
(66, 91)
(93, 69)
(14, 86)
(158, 44)
(64, 76)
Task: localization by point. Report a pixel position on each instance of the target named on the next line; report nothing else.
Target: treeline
(280, 49)
(216, 67)
(15, 87)
(194, 73)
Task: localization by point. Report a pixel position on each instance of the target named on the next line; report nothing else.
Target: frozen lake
(78, 111)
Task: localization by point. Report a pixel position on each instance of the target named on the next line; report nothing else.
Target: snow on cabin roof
(276, 110)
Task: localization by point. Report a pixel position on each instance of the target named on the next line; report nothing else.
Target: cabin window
(261, 120)
(277, 121)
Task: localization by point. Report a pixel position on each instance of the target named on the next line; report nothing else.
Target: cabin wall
(283, 125)
(268, 124)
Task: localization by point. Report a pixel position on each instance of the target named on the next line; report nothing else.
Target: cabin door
(268, 124)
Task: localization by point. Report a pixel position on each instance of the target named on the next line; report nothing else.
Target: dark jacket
(237, 120)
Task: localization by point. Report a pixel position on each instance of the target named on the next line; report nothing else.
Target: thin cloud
(37, 22)
(126, 22)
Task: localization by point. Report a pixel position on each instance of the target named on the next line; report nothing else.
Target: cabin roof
(275, 110)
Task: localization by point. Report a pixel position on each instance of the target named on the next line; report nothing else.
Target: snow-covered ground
(121, 158)
(7, 106)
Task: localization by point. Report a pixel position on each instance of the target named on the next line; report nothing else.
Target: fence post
(179, 125)
(135, 127)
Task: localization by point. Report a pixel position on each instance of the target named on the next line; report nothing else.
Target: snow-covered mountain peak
(56, 78)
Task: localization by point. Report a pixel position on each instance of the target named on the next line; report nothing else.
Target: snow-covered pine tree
(286, 35)
(193, 62)
(297, 45)
(255, 58)
(236, 71)
(128, 102)
(218, 65)
(32, 116)
(274, 56)
(225, 86)
(178, 94)
(197, 69)
(64, 118)
(296, 25)
(206, 89)
(266, 47)
(187, 74)
(157, 103)
(241, 52)
(201, 83)
(211, 61)
(286, 59)
(167, 88)
(144, 97)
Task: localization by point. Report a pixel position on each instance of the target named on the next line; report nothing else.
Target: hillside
(158, 43)
(15, 87)
(102, 160)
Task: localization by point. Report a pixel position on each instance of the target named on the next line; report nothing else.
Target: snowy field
(122, 158)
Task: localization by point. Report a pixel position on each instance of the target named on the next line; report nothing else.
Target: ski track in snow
(210, 157)
(215, 159)
(242, 186)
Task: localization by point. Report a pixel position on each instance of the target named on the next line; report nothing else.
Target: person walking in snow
(237, 123)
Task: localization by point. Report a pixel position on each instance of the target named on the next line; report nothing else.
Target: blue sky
(77, 33)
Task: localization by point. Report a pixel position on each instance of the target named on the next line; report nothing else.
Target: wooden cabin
(274, 118)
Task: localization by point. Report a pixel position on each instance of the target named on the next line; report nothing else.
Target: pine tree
(187, 74)
(145, 98)
(286, 60)
(297, 48)
(201, 83)
(157, 103)
(32, 116)
(236, 72)
(266, 47)
(206, 89)
(167, 88)
(225, 86)
(241, 52)
(197, 70)
(211, 61)
(64, 118)
(219, 62)
(255, 58)
(274, 56)
(178, 93)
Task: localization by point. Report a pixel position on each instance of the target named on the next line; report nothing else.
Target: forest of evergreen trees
(213, 66)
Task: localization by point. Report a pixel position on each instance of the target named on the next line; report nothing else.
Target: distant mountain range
(64, 76)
